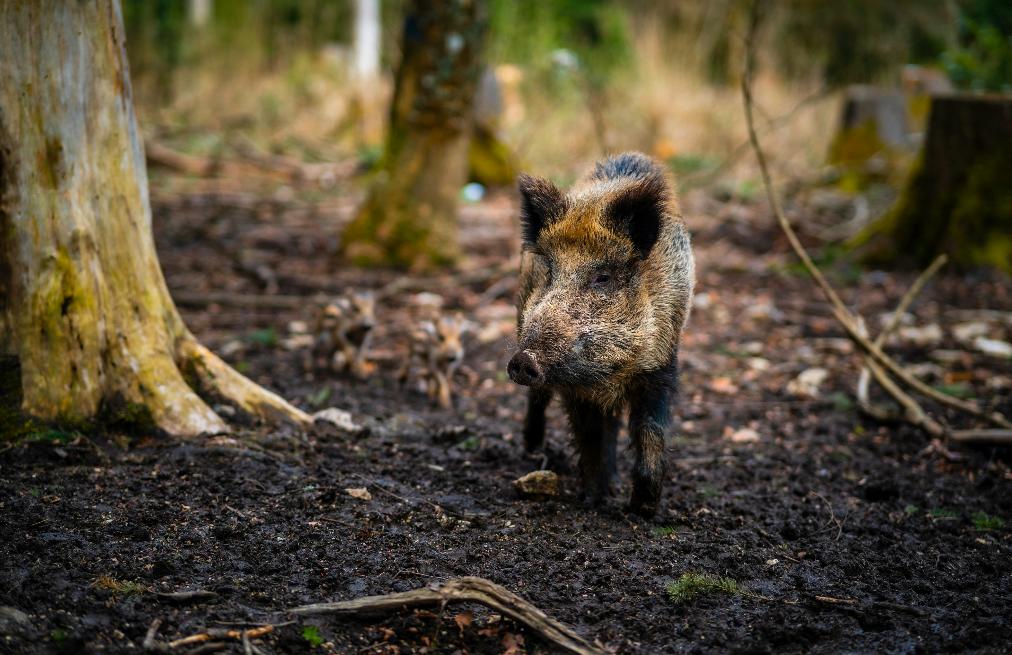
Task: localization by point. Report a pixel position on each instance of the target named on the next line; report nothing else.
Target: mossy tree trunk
(409, 217)
(83, 304)
(958, 198)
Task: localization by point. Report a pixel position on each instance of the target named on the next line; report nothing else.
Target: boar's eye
(601, 278)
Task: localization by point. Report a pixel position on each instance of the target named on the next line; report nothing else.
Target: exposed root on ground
(218, 379)
(463, 590)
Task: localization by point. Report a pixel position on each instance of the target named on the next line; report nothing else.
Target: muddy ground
(797, 498)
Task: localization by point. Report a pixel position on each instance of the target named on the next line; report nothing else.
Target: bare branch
(463, 590)
(840, 311)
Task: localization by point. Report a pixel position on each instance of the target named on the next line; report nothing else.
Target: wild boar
(438, 348)
(606, 278)
(343, 332)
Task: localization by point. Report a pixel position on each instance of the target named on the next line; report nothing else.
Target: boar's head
(586, 288)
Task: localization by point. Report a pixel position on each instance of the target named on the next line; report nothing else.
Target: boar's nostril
(523, 369)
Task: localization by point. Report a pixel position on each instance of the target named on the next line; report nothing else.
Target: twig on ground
(245, 643)
(149, 643)
(840, 311)
(217, 633)
(835, 601)
(463, 590)
(187, 596)
(988, 436)
(914, 413)
(832, 515)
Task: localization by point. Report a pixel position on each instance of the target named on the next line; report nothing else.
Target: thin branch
(463, 590)
(840, 311)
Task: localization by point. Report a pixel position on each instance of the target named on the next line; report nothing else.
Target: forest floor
(844, 535)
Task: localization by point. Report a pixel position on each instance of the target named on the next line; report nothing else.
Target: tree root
(873, 352)
(204, 639)
(215, 377)
(463, 590)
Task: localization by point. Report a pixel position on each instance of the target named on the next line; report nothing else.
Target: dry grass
(662, 106)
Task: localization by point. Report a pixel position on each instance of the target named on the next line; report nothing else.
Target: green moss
(692, 584)
(857, 144)
(970, 221)
(984, 521)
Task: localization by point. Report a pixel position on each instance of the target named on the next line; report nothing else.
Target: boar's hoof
(523, 369)
(646, 496)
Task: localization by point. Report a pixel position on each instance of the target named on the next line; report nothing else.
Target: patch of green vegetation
(840, 401)
(311, 634)
(985, 521)
(468, 444)
(264, 337)
(318, 398)
(500, 376)
(241, 366)
(665, 531)
(942, 514)
(710, 492)
(59, 637)
(910, 510)
(34, 491)
(692, 584)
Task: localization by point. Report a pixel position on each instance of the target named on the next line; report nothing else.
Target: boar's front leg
(649, 419)
(595, 433)
(534, 424)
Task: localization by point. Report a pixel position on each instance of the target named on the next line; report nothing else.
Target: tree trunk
(958, 198)
(409, 218)
(83, 304)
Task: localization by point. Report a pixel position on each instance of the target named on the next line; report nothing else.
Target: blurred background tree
(569, 80)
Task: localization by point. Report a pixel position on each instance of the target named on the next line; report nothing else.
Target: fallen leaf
(744, 435)
(463, 620)
(361, 494)
(724, 385)
(513, 643)
(388, 634)
(489, 632)
(807, 383)
(993, 347)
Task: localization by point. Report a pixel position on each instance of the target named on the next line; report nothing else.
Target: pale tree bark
(83, 303)
(409, 218)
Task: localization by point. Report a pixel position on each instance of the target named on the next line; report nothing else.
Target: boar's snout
(523, 369)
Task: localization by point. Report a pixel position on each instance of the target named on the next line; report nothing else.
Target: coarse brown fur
(605, 286)
(437, 347)
(343, 332)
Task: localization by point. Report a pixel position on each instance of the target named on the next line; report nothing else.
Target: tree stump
(958, 198)
(873, 119)
(83, 304)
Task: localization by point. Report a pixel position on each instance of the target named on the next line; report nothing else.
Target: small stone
(338, 417)
(233, 347)
(538, 483)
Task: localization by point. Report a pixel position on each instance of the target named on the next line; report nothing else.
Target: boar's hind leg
(595, 434)
(534, 424)
(649, 418)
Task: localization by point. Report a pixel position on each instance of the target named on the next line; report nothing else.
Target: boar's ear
(541, 203)
(638, 212)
